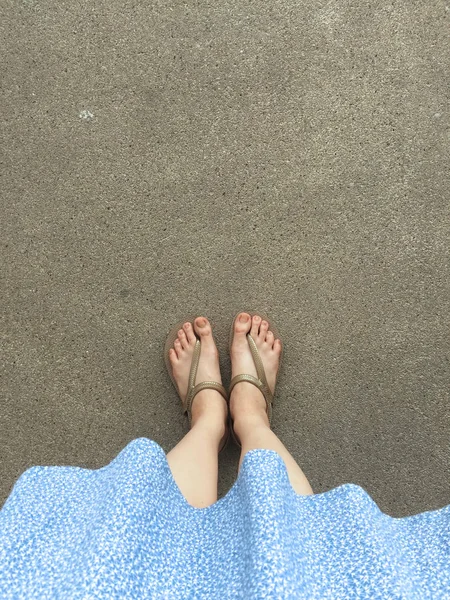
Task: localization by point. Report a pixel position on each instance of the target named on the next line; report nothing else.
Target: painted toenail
(243, 318)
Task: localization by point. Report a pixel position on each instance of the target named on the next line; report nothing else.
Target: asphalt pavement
(164, 159)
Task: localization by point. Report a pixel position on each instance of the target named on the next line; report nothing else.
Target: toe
(263, 330)
(183, 339)
(173, 356)
(177, 346)
(189, 333)
(255, 326)
(202, 326)
(269, 338)
(242, 323)
(277, 346)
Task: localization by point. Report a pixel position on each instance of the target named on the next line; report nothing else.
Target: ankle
(247, 401)
(212, 429)
(210, 410)
(247, 424)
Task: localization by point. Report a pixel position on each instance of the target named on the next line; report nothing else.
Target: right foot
(246, 400)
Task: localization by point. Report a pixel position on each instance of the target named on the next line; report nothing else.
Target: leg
(247, 404)
(254, 432)
(193, 461)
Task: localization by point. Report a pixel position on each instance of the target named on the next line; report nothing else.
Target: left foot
(207, 403)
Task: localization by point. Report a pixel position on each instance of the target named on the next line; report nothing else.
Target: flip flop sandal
(192, 388)
(260, 381)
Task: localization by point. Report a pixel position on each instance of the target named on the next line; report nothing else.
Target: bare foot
(246, 399)
(207, 403)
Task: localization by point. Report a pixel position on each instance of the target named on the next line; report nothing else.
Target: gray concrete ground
(169, 158)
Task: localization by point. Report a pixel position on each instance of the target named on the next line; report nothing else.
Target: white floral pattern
(126, 531)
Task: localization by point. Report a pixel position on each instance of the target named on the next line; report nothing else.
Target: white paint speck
(86, 115)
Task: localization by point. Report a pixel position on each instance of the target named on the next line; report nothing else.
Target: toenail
(256, 319)
(187, 325)
(201, 322)
(180, 332)
(243, 318)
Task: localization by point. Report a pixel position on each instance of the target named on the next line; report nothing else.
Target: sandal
(192, 388)
(260, 381)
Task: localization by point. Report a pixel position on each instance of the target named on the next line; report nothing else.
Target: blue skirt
(126, 531)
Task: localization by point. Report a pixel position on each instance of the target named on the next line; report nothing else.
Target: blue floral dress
(126, 531)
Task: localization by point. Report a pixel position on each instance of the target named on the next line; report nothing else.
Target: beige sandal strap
(260, 382)
(245, 377)
(194, 364)
(259, 364)
(194, 389)
(204, 385)
(268, 397)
